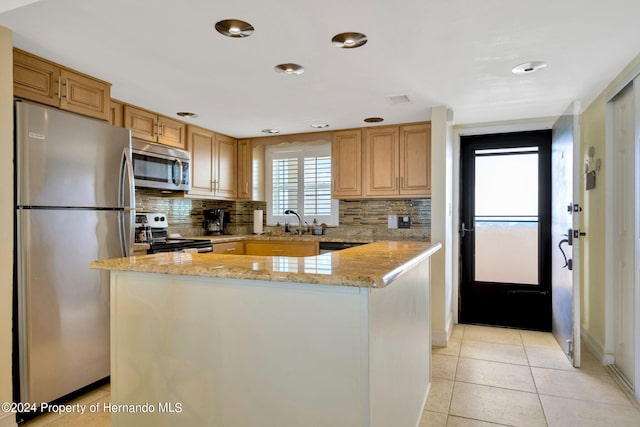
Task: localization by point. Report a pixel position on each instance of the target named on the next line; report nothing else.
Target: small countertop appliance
(214, 220)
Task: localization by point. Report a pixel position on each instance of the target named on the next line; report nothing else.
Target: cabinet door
(225, 169)
(141, 122)
(245, 169)
(85, 95)
(116, 113)
(171, 132)
(415, 160)
(201, 146)
(382, 174)
(346, 164)
(35, 79)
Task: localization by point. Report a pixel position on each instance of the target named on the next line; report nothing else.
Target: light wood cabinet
(245, 169)
(291, 248)
(39, 80)
(116, 113)
(398, 161)
(225, 168)
(415, 160)
(213, 164)
(149, 126)
(229, 248)
(346, 164)
(382, 176)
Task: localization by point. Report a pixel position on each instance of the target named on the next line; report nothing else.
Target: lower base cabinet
(288, 248)
(229, 248)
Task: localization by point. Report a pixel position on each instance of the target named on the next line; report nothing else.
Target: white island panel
(400, 348)
(238, 352)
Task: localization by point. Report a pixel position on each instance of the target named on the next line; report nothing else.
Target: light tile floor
(485, 377)
(495, 376)
(99, 418)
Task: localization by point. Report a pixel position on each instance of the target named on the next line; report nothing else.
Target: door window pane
(506, 216)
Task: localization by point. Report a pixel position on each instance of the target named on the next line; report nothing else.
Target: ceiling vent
(399, 99)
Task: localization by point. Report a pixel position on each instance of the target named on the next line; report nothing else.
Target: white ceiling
(165, 55)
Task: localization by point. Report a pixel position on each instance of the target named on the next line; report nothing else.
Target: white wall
(441, 225)
(6, 219)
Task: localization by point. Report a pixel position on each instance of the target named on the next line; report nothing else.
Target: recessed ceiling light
(234, 28)
(320, 125)
(270, 131)
(349, 40)
(528, 67)
(373, 119)
(187, 114)
(289, 69)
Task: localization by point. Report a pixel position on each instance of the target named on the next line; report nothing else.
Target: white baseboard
(439, 337)
(8, 419)
(596, 348)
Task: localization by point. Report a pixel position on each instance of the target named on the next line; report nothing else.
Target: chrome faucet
(290, 212)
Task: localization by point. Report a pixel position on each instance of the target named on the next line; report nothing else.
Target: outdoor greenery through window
(299, 179)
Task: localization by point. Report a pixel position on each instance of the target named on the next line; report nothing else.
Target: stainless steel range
(151, 228)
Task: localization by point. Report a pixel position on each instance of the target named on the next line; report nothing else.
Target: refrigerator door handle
(127, 216)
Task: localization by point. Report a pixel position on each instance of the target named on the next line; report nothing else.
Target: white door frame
(610, 262)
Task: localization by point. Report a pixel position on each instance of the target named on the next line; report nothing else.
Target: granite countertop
(374, 265)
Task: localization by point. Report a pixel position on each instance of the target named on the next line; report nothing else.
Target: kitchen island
(338, 339)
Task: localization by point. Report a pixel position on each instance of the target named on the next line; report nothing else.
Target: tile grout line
(535, 384)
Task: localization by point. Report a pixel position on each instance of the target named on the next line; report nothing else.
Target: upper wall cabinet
(213, 164)
(415, 160)
(382, 176)
(43, 81)
(398, 161)
(152, 127)
(116, 113)
(245, 169)
(346, 164)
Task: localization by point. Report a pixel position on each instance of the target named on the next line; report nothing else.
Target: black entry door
(506, 230)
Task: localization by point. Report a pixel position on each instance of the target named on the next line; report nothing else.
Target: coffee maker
(213, 223)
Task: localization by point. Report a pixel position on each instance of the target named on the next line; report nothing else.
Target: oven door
(151, 170)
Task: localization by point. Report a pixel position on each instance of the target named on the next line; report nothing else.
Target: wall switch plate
(404, 222)
(392, 221)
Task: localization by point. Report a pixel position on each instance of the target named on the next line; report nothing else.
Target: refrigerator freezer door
(63, 305)
(67, 160)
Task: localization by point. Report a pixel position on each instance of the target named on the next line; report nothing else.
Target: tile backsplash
(358, 218)
(185, 215)
(368, 218)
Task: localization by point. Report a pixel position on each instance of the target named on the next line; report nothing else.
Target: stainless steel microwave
(160, 167)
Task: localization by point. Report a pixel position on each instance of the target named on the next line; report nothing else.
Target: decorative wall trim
(440, 338)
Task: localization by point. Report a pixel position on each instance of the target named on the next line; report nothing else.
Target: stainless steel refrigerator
(74, 204)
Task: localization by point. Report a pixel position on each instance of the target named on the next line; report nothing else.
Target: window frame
(299, 151)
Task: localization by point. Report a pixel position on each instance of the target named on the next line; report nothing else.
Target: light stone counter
(372, 265)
